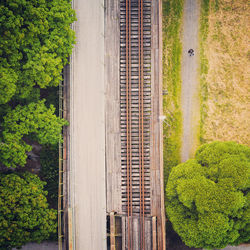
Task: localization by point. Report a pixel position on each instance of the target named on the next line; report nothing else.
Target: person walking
(191, 52)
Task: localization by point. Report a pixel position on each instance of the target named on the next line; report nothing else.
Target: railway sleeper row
(138, 176)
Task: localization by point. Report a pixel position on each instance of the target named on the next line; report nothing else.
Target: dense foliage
(49, 172)
(36, 40)
(35, 43)
(24, 212)
(33, 119)
(208, 198)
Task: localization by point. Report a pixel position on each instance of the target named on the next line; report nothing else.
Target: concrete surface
(242, 247)
(190, 85)
(87, 128)
(42, 246)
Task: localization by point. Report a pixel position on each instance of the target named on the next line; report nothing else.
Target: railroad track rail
(135, 91)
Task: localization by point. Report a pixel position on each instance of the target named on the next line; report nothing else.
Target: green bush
(24, 213)
(208, 198)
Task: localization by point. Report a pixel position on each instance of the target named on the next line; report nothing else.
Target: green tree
(24, 213)
(36, 40)
(34, 120)
(208, 198)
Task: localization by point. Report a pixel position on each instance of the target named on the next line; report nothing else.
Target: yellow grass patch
(227, 51)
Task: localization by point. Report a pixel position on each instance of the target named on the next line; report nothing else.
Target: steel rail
(141, 121)
(128, 120)
(130, 128)
(139, 124)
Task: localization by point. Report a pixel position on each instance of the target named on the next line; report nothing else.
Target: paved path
(87, 128)
(242, 247)
(190, 92)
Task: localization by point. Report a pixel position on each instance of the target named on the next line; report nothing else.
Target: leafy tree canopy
(34, 120)
(24, 213)
(36, 40)
(208, 198)
(8, 79)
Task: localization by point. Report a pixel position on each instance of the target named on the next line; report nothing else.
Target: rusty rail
(141, 121)
(128, 119)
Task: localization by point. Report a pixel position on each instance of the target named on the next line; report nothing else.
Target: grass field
(172, 18)
(225, 71)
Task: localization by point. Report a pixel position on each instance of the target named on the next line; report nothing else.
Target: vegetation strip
(172, 49)
(36, 41)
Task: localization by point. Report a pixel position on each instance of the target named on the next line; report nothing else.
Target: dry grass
(227, 51)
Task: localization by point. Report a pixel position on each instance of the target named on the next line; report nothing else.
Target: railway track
(135, 91)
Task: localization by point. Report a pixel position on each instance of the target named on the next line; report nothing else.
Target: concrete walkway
(87, 128)
(190, 85)
(242, 247)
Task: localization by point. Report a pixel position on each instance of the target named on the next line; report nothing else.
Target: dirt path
(190, 84)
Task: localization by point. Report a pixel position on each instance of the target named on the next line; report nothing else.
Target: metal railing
(60, 174)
